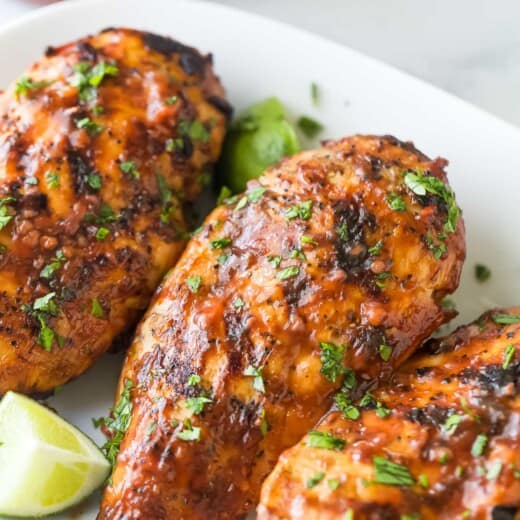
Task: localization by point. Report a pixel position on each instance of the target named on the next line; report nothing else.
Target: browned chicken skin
(328, 261)
(100, 143)
(453, 426)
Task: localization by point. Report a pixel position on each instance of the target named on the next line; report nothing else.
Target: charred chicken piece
(101, 141)
(327, 272)
(441, 440)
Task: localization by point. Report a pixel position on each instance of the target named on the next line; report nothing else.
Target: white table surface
(468, 47)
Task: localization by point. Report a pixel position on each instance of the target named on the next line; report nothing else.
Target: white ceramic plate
(256, 58)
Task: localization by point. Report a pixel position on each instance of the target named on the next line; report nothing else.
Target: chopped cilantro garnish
(89, 126)
(264, 425)
(437, 248)
(302, 210)
(275, 261)
(297, 253)
(224, 194)
(288, 272)
(423, 480)
(5, 216)
(333, 483)
(494, 470)
(88, 78)
(25, 84)
(310, 127)
(391, 473)
(396, 202)
(305, 239)
(342, 231)
(376, 248)
(189, 432)
(46, 304)
(97, 309)
(385, 351)
(173, 145)
(195, 130)
(314, 93)
(52, 179)
(317, 439)
(256, 373)
(349, 514)
(255, 194)
(49, 270)
(193, 380)
(450, 426)
(220, 243)
(94, 180)
(422, 184)
(505, 319)
(479, 444)
(171, 100)
(130, 167)
(315, 479)
(194, 283)
(102, 233)
(509, 355)
(238, 303)
(31, 181)
(482, 272)
(117, 423)
(332, 360)
(195, 405)
(345, 406)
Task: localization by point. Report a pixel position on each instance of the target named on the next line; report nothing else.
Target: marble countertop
(470, 48)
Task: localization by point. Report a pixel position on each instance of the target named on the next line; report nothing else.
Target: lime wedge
(46, 464)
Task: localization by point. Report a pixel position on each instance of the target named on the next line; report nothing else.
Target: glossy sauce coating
(295, 261)
(97, 155)
(454, 423)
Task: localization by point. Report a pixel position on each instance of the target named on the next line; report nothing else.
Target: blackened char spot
(351, 219)
(374, 510)
(191, 61)
(430, 415)
(35, 202)
(493, 377)
(368, 166)
(50, 51)
(368, 338)
(504, 512)
(79, 169)
(237, 334)
(221, 104)
(87, 52)
(408, 146)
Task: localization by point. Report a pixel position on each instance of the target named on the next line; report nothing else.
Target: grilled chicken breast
(100, 143)
(329, 270)
(441, 440)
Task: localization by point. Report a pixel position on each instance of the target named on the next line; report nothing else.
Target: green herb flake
(396, 202)
(376, 248)
(412, 516)
(25, 84)
(264, 425)
(194, 283)
(314, 480)
(220, 243)
(102, 233)
(303, 211)
(189, 432)
(87, 78)
(173, 145)
(195, 405)
(91, 127)
(255, 194)
(349, 514)
(479, 445)
(193, 380)
(317, 439)
(314, 93)
(333, 483)
(5, 216)
(48, 271)
(345, 406)
(195, 130)
(52, 179)
(391, 473)
(382, 411)
(450, 426)
(494, 470)
(423, 481)
(342, 232)
(275, 261)
(31, 181)
(96, 309)
(482, 273)
(305, 239)
(256, 374)
(117, 423)
(46, 304)
(238, 303)
(438, 249)
(332, 360)
(225, 193)
(131, 168)
(509, 355)
(421, 184)
(94, 180)
(310, 127)
(505, 319)
(385, 351)
(288, 272)
(171, 100)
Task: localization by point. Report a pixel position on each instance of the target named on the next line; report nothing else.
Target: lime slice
(46, 464)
